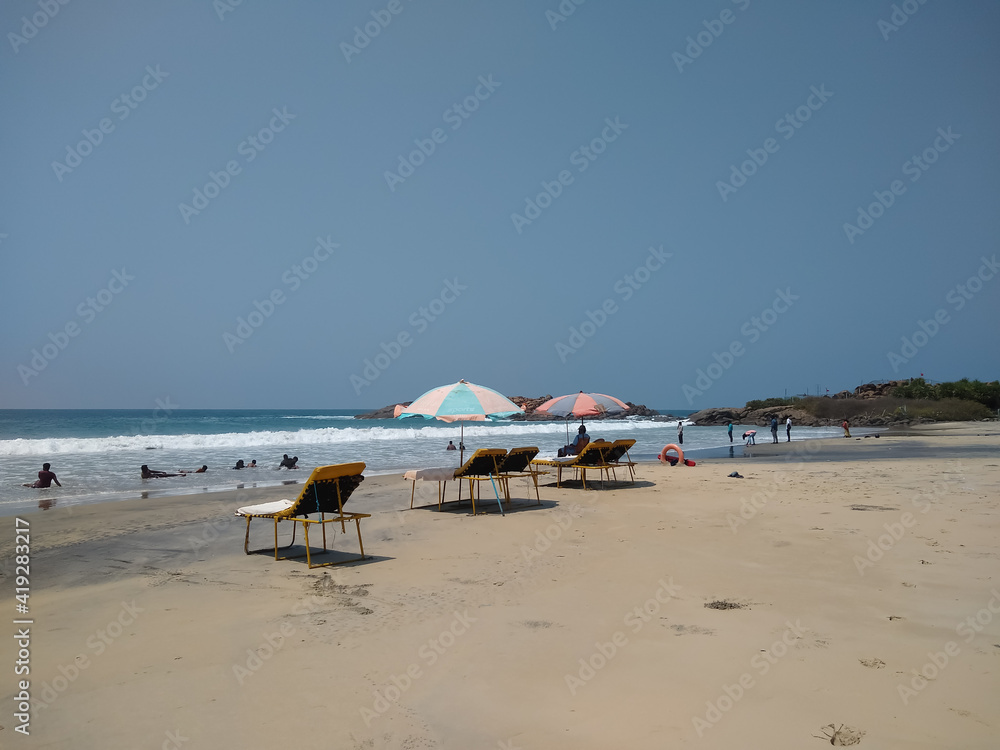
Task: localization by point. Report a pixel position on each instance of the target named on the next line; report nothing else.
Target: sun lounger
(591, 457)
(613, 458)
(325, 492)
(482, 465)
(516, 464)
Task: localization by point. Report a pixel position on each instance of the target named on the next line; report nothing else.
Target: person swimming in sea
(146, 473)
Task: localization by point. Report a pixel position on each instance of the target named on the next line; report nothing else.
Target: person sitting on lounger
(579, 443)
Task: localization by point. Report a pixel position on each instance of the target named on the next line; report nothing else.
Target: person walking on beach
(680, 432)
(45, 478)
(730, 432)
(847, 428)
(788, 430)
(774, 429)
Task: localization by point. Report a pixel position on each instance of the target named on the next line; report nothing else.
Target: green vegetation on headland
(896, 402)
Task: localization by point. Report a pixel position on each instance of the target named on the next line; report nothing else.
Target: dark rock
(386, 412)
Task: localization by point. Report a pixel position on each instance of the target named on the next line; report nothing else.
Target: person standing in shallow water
(730, 432)
(680, 432)
(774, 429)
(788, 430)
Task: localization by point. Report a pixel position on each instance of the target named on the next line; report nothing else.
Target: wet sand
(833, 585)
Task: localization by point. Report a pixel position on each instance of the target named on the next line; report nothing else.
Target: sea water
(97, 453)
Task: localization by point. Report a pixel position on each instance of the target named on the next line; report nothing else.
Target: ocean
(96, 453)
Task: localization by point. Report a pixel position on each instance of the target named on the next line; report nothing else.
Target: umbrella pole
(499, 501)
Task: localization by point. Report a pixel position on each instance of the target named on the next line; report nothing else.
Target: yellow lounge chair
(591, 457)
(613, 458)
(517, 463)
(326, 491)
(482, 465)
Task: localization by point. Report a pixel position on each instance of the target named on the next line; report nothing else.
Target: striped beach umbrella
(582, 405)
(461, 402)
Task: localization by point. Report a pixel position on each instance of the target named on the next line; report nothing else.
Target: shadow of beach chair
(613, 458)
(325, 492)
(517, 464)
(482, 465)
(591, 457)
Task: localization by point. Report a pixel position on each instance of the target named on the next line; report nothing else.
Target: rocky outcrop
(760, 417)
(386, 412)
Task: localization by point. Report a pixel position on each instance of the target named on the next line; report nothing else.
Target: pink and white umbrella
(582, 405)
(460, 402)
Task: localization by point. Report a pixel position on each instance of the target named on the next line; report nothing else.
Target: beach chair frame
(591, 457)
(324, 492)
(482, 466)
(613, 458)
(516, 464)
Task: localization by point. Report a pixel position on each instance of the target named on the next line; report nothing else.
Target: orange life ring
(663, 454)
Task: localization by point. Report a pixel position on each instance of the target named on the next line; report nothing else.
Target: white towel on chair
(266, 509)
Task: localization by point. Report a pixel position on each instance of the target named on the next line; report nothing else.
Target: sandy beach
(841, 592)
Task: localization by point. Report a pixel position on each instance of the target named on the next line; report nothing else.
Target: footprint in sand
(872, 663)
(842, 736)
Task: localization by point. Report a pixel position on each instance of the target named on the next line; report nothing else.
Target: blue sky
(638, 198)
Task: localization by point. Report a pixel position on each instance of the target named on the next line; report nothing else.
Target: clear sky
(343, 205)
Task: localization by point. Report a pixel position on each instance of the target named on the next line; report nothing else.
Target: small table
(441, 476)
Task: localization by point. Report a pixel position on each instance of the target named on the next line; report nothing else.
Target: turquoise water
(97, 453)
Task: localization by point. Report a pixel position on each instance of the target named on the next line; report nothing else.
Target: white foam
(321, 436)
